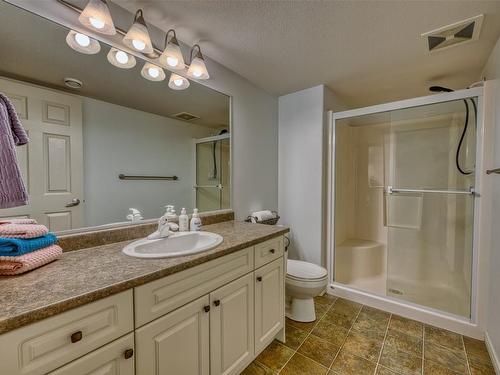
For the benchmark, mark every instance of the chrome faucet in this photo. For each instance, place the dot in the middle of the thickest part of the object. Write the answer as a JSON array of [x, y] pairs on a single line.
[[166, 225]]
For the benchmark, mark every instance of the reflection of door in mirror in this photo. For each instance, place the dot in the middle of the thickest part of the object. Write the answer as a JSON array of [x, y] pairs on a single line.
[[51, 163], [212, 173]]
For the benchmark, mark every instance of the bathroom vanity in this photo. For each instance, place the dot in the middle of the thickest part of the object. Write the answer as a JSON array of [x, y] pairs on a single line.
[[98, 310]]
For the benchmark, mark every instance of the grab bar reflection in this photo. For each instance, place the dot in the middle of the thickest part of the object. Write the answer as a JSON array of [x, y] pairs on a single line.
[[391, 190], [122, 176], [490, 171]]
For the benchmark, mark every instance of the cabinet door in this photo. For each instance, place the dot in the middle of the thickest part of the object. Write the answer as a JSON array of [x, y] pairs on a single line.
[[232, 326], [177, 343], [116, 358], [269, 303]]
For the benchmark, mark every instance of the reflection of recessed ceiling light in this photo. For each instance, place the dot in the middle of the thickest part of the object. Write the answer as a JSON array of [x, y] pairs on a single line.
[[177, 82], [121, 59], [153, 72], [82, 43], [73, 83]]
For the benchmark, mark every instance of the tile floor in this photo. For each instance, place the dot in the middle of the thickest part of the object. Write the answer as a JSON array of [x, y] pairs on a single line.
[[351, 339]]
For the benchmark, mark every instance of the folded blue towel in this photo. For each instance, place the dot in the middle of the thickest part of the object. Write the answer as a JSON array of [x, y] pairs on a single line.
[[19, 246]]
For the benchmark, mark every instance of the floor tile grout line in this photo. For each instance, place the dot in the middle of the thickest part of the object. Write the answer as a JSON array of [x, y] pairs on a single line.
[[466, 355], [296, 351], [383, 343], [348, 332]]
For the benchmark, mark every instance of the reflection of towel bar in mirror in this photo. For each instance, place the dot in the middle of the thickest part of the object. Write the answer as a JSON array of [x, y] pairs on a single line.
[[122, 176], [490, 171], [208, 187], [391, 190]]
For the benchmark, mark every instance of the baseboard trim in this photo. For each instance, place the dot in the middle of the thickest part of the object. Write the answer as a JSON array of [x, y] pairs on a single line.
[[493, 354]]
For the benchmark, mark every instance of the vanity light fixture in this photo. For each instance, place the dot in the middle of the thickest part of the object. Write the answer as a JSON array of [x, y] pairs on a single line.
[[177, 82], [121, 59], [172, 55], [137, 36], [153, 72], [197, 68], [96, 16], [82, 43]]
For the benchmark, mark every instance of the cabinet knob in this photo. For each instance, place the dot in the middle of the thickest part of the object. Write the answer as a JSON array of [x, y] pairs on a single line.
[[272, 251], [77, 336], [217, 302], [128, 353], [259, 278], [206, 308]]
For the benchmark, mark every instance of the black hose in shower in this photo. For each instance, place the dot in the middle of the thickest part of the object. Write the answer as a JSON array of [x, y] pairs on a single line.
[[466, 125], [214, 158]]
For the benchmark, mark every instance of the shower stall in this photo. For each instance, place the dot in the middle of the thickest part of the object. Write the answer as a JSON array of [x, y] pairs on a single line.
[[212, 179], [403, 203]]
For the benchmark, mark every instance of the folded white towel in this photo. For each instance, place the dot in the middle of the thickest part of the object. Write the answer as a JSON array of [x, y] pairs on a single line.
[[263, 215]]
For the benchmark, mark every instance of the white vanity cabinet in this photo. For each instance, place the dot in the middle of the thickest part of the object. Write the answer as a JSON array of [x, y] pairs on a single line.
[[210, 319]]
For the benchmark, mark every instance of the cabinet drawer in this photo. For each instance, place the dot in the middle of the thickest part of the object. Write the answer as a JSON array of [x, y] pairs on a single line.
[[116, 358], [159, 297], [55, 341], [268, 251]]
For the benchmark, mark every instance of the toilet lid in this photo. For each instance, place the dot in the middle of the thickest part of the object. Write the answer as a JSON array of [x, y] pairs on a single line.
[[305, 270]]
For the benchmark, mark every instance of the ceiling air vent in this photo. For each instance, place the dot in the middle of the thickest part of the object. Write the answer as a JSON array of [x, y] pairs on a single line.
[[186, 116], [455, 34]]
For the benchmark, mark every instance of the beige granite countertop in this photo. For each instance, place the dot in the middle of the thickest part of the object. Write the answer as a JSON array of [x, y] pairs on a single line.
[[83, 276]]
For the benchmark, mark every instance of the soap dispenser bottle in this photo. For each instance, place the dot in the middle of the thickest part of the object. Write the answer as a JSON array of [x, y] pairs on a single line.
[[195, 224], [183, 221]]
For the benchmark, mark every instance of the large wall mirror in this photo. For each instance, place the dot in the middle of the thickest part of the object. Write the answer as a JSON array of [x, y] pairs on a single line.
[[119, 141]]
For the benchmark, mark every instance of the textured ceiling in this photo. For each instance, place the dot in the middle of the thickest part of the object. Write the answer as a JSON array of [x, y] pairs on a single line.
[[365, 51], [34, 49]]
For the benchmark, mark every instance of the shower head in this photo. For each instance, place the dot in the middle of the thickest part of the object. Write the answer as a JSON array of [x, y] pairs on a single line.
[[439, 89]]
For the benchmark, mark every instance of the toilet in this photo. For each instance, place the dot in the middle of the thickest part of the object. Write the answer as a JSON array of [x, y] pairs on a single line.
[[303, 282]]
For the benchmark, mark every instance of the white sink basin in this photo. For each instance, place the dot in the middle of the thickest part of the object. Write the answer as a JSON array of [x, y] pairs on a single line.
[[175, 245]]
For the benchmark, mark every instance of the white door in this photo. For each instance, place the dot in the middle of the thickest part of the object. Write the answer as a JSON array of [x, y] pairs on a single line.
[[232, 327], [269, 303], [177, 343], [52, 162]]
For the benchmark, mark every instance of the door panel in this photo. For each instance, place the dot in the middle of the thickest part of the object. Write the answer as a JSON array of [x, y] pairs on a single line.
[[177, 343], [52, 162], [232, 326], [269, 303]]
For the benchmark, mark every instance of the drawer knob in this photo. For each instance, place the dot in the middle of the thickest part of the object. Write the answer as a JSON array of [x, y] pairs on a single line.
[[259, 278], [77, 336], [128, 353], [217, 302], [206, 308], [272, 251]]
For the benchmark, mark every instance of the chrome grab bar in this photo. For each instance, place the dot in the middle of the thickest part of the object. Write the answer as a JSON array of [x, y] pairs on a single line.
[[391, 190], [490, 171], [219, 186]]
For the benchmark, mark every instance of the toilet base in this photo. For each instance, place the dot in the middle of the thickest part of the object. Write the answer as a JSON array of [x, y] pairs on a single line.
[[301, 310]]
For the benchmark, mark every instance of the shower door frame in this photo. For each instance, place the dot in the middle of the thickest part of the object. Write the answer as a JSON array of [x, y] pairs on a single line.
[[468, 326]]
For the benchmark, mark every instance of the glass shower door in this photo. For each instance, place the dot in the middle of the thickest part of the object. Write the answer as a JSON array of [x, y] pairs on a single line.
[[430, 205]]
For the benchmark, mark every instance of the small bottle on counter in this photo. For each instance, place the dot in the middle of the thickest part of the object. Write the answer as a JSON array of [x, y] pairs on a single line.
[[195, 221], [183, 221]]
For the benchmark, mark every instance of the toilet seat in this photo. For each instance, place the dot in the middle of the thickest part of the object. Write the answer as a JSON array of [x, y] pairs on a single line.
[[304, 271]]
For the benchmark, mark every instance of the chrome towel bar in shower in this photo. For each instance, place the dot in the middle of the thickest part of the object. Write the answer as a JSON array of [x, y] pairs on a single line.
[[391, 189], [122, 176]]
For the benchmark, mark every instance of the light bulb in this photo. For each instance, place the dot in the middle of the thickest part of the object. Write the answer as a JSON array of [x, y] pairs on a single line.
[[172, 61], [82, 39], [178, 82], [197, 73], [97, 23], [121, 57], [138, 44], [154, 72]]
